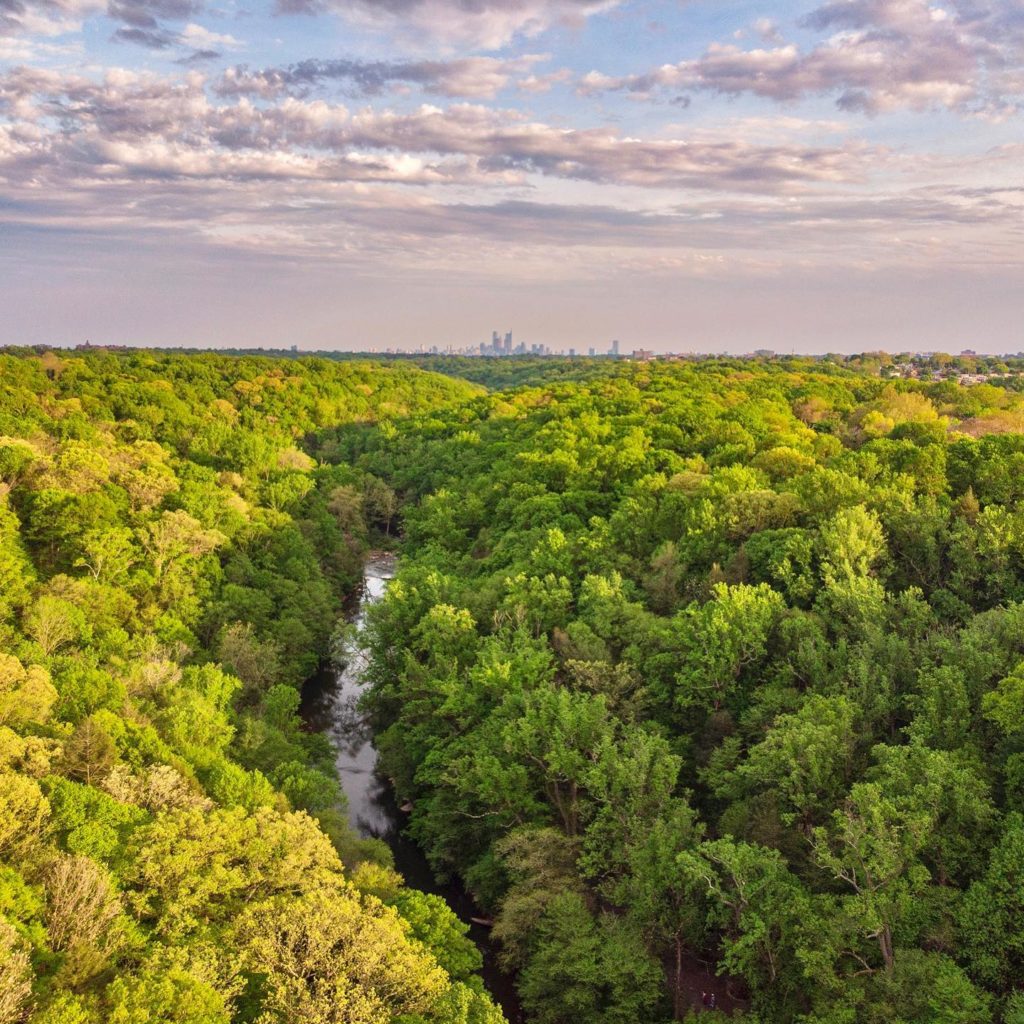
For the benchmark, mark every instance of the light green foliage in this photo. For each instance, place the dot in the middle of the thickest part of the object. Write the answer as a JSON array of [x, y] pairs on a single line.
[[330, 958], [722, 638], [170, 571], [852, 542], [26, 695], [165, 997], [1005, 704], [433, 923], [24, 815], [684, 663]]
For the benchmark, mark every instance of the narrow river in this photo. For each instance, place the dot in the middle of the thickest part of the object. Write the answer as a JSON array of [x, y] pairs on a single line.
[[330, 704]]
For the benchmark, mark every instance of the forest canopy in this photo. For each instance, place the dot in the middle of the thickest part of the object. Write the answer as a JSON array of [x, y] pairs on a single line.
[[709, 663], [173, 846], [721, 661]]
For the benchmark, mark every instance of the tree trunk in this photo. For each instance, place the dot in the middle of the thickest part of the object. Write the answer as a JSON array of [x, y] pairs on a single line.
[[885, 944]]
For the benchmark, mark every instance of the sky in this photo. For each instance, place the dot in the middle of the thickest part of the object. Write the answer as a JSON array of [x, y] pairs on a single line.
[[683, 175]]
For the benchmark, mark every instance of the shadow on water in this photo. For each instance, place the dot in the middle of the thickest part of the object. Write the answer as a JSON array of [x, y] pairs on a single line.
[[330, 704]]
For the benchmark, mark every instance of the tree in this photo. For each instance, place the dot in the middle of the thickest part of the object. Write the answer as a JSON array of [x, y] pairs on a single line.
[[24, 814], [851, 543], [81, 905], [433, 923], [89, 752], [54, 624], [15, 975], [172, 996], [108, 554], [762, 910], [808, 757], [542, 864], [722, 638], [587, 970], [1005, 704], [872, 846], [659, 894], [256, 662], [556, 737], [26, 695], [175, 536], [991, 918], [380, 503], [329, 958]]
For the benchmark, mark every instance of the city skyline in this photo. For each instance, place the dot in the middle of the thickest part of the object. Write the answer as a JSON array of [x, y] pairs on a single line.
[[828, 175], [527, 350]]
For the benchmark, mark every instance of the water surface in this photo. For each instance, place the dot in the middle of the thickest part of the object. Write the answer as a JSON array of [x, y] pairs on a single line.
[[330, 704]]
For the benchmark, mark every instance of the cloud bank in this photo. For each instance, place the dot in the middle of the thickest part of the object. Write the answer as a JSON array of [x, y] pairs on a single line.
[[881, 55]]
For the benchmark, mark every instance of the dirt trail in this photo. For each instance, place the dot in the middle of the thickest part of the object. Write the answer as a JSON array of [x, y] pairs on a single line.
[[698, 978]]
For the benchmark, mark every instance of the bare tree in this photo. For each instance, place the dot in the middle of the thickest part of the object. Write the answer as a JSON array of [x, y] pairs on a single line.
[[15, 976]]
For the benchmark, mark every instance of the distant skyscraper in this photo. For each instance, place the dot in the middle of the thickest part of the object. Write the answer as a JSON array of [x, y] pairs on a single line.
[[495, 341], [572, 353], [591, 351], [508, 343], [615, 348]]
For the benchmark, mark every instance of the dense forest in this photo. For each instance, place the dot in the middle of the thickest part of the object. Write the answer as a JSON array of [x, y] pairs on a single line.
[[726, 662], [173, 847], [704, 665]]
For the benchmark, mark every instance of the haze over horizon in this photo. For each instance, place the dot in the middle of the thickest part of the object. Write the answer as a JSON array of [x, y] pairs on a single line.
[[829, 175]]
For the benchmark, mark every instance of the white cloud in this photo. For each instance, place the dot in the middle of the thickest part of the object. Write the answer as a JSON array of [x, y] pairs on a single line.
[[464, 78], [486, 24], [137, 124], [203, 39], [45, 17], [882, 55]]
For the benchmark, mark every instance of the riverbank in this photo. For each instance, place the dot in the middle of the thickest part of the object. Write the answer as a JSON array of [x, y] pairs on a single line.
[[330, 704]]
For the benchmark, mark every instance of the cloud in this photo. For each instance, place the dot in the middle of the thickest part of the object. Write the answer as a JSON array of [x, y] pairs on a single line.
[[200, 37], [487, 24], [139, 125], [151, 38], [147, 14], [882, 55], [44, 17], [143, 27], [504, 142], [468, 78]]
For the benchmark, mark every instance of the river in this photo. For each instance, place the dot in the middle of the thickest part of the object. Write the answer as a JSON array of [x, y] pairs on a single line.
[[330, 704]]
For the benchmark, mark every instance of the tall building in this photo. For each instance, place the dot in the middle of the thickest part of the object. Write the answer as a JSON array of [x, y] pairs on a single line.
[[591, 351], [508, 343], [615, 348]]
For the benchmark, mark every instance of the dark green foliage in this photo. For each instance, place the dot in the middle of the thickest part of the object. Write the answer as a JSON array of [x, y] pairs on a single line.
[[710, 663], [716, 661]]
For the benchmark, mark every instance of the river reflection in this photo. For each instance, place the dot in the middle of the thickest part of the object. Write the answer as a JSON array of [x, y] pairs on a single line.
[[330, 704]]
